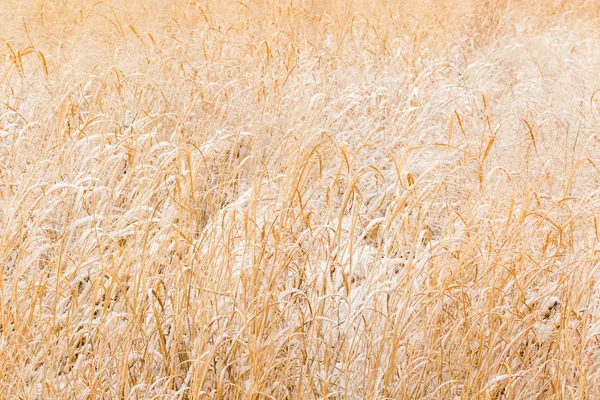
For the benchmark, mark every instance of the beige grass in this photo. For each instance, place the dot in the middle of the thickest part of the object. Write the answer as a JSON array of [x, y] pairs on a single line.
[[324, 199]]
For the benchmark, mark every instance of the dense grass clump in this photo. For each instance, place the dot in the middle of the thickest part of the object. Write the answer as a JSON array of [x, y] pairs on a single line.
[[299, 199]]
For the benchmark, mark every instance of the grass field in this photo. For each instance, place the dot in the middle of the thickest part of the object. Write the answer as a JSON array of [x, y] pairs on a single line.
[[260, 199]]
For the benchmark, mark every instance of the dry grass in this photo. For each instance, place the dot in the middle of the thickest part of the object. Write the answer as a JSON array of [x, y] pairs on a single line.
[[324, 199]]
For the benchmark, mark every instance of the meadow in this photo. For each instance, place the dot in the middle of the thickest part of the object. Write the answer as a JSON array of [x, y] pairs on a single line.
[[276, 199]]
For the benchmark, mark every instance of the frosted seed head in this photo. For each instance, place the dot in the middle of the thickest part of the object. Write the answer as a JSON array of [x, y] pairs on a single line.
[[552, 305], [128, 119]]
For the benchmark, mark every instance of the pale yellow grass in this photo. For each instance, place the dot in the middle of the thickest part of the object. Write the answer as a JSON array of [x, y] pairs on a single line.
[[317, 199]]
